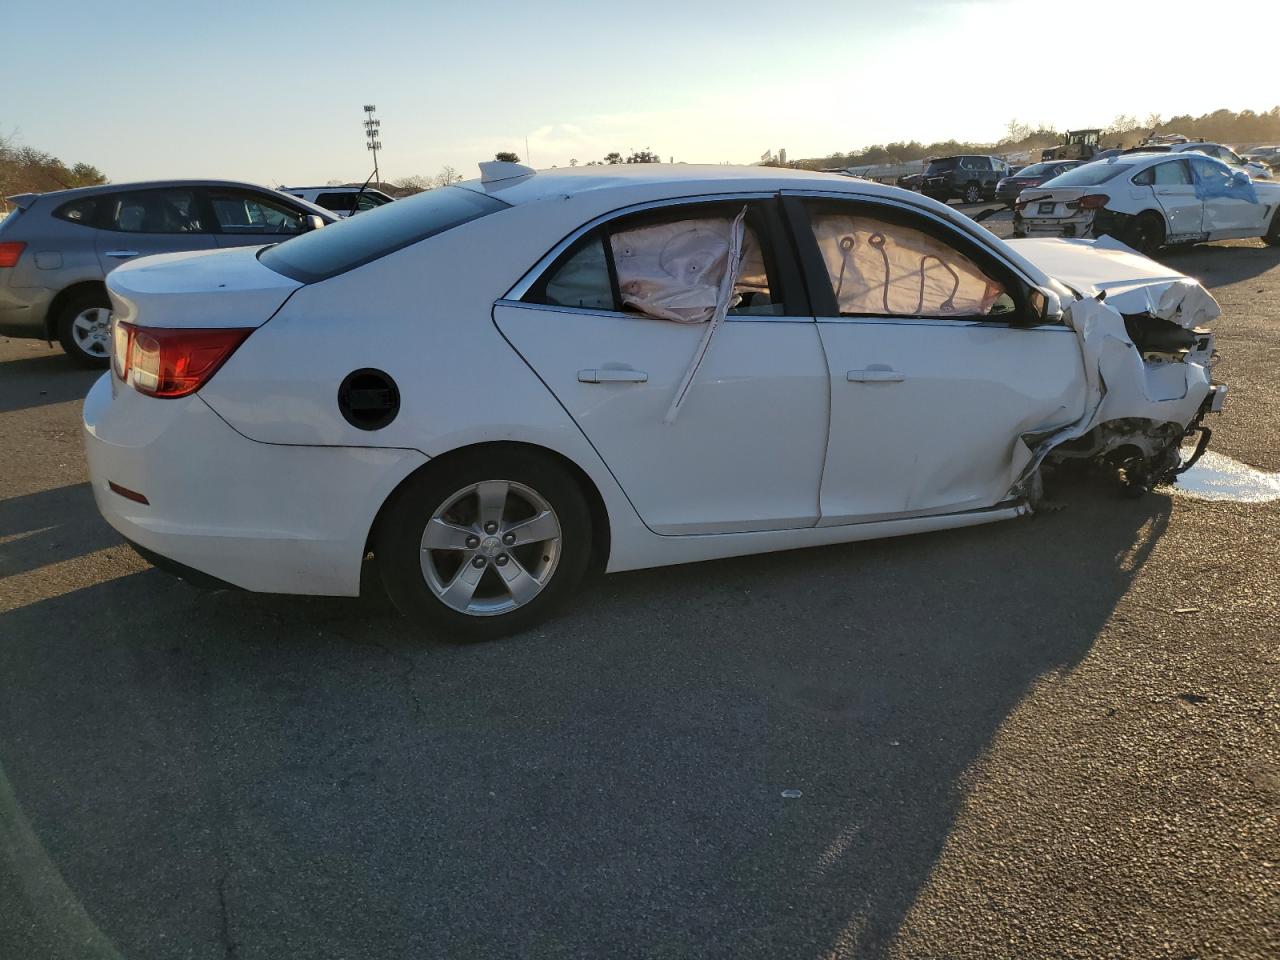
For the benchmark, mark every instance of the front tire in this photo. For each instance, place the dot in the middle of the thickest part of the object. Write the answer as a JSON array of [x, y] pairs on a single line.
[[973, 193], [1272, 237], [83, 325], [485, 544]]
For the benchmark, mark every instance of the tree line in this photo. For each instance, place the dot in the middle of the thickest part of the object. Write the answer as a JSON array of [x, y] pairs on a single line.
[[1220, 126], [25, 169]]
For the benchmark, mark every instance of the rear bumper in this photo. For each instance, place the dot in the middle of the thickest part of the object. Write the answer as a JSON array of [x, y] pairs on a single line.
[[1081, 226], [265, 517], [23, 311]]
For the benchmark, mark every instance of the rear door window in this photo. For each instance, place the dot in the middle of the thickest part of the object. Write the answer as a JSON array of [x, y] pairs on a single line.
[[172, 210], [353, 242], [668, 265], [337, 202], [1173, 173]]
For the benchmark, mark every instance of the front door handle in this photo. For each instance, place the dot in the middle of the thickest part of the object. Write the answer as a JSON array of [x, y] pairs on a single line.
[[875, 375], [121, 254], [606, 375]]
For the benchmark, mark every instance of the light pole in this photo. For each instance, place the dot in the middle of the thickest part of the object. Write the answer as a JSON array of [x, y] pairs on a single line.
[[372, 134]]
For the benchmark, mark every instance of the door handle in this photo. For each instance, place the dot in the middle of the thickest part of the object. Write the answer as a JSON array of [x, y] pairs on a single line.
[[606, 375], [121, 254], [875, 375]]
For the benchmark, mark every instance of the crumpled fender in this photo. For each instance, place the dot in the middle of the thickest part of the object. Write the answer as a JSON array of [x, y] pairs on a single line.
[[1120, 384]]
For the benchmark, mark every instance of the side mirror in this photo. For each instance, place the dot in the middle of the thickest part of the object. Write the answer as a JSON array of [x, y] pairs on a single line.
[[1240, 178], [311, 221], [1043, 306]]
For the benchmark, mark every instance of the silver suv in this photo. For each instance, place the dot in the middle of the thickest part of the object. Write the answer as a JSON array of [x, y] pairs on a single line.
[[56, 248]]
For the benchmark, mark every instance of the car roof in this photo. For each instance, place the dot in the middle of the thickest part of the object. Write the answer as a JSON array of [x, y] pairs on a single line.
[[150, 185], [672, 180], [339, 188]]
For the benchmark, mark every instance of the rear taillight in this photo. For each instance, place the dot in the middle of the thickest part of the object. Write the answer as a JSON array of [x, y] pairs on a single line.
[[169, 362], [10, 252], [1094, 201]]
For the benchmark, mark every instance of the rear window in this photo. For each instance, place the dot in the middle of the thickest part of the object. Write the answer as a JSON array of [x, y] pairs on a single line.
[[1089, 175], [1035, 170], [351, 243], [941, 166]]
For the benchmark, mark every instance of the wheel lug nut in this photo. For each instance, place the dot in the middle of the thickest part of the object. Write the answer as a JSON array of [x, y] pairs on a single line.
[[478, 562], [490, 527], [509, 538], [472, 542], [502, 560]]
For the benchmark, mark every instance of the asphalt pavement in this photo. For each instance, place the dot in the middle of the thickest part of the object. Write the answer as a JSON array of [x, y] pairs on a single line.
[[1052, 737]]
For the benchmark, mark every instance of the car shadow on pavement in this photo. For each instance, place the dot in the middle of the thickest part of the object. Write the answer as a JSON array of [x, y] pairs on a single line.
[[52, 526], [1217, 265], [266, 776], [41, 379]]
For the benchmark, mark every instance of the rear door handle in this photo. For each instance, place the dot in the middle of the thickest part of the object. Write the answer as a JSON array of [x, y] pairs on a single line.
[[875, 375], [121, 254], [606, 375]]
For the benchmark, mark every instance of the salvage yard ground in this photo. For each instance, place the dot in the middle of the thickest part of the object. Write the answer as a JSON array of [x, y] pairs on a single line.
[[1055, 737]]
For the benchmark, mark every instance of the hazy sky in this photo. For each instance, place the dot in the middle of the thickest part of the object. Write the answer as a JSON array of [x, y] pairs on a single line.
[[272, 91]]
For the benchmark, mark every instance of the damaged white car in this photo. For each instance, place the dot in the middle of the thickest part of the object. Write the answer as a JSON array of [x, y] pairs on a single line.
[[490, 387], [1148, 200]]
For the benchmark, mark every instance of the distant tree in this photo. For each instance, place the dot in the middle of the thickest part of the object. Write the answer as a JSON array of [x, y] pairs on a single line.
[[573, 162], [613, 157], [446, 176], [506, 156], [411, 185], [644, 156], [27, 170]]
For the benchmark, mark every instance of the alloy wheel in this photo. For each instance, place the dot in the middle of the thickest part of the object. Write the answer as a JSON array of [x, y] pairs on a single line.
[[490, 548], [91, 330]]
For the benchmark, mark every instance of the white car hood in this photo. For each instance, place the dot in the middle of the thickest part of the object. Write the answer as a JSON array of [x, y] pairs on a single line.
[[200, 288], [1132, 283]]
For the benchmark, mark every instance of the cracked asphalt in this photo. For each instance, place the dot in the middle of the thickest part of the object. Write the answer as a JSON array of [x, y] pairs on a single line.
[[1054, 737]]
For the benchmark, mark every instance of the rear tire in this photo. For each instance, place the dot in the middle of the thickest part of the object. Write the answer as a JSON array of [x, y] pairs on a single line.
[[1145, 234], [458, 552], [83, 328], [972, 193]]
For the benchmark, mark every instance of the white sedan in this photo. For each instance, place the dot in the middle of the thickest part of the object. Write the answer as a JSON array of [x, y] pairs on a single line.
[[493, 386], [1148, 200]]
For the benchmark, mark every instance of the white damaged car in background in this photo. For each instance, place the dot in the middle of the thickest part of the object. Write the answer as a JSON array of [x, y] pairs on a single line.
[[493, 386], [1148, 200]]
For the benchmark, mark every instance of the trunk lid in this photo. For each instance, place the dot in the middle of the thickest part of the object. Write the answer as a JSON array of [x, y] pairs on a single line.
[[198, 289], [1052, 202]]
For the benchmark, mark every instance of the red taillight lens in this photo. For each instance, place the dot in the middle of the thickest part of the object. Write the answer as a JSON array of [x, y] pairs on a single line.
[[169, 362], [10, 252], [1094, 201]]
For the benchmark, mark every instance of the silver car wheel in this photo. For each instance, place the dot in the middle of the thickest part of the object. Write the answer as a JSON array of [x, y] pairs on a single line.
[[92, 331], [490, 548]]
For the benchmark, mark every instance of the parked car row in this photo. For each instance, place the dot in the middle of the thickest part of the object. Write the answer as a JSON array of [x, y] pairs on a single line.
[[1152, 198], [57, 248]]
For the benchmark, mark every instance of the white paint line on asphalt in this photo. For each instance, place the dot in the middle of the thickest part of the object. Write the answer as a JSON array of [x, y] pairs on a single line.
[[64, 924], [1218, 477]]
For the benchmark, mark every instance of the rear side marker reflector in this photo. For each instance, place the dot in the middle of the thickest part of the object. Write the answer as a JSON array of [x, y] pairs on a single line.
[[171, 361], [128, 494]]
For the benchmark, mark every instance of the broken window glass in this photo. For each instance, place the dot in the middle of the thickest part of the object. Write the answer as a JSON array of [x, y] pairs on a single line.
[[673, 270]]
